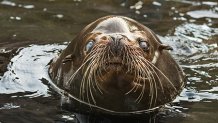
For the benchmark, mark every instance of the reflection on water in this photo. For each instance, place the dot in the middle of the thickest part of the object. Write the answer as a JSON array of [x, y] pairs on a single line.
[[190, 27], [202, 14], [27, 68], [188, 39]]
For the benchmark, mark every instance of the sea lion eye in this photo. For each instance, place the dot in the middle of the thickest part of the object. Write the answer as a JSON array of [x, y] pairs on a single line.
[[89, 45], [144, 45]]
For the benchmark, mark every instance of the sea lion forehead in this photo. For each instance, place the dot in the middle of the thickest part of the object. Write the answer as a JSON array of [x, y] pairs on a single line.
[[115, 25]]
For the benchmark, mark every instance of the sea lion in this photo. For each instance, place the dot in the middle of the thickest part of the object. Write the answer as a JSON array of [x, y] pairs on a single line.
[[117, 65]]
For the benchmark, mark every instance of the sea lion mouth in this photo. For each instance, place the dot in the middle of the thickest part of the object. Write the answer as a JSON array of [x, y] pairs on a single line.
[[114, 62]]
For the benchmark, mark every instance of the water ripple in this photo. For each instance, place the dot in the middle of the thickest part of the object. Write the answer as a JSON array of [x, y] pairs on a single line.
[[26, 70], [202, 14], [189, 38]]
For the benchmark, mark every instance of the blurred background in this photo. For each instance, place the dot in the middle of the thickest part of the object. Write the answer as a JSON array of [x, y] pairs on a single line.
[[37, 29]]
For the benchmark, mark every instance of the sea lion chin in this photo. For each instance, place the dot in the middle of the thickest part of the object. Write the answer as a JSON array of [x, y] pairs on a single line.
[[117, 64]]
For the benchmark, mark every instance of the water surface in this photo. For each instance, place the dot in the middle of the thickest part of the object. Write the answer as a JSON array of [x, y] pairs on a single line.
[[33, 32]]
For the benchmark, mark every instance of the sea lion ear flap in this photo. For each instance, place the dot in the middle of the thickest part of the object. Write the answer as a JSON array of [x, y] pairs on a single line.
[[68, 58], [160, 48], [165, 47]]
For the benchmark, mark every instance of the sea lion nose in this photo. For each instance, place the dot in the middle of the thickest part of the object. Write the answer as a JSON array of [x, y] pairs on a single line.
[[116, 44]]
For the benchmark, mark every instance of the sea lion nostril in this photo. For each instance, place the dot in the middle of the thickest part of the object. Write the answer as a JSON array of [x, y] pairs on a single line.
[[113, 38], [116, 45]]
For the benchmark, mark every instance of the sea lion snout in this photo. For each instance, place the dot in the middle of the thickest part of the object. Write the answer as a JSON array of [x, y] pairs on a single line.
[[116, 44]]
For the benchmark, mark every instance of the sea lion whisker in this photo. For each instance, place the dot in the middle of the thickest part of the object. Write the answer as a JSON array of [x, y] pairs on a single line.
[[138, 99], [99, 74], [103, 58], [93, 52], [136, 78], [167, 79], [142, 93], [74, 74], [110, 51], [97, 84], [82, 89], [155, 73], [85, 78], [130, 67], [147, 73], [87, 94], [124, 56], [137, 73], [149, 64], [153, 81], [91, 68], [93, 75], [99, 71], [149, 81], [128, 92], [154, 86], [164, 76], [129, 60], [90, 90], [82, 86], [89, 78]]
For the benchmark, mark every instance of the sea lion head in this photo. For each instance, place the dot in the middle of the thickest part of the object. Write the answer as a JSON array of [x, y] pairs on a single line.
[[119, 57]]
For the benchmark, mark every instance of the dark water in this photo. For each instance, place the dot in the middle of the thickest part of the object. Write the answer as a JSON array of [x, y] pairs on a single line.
[[33, 31]]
